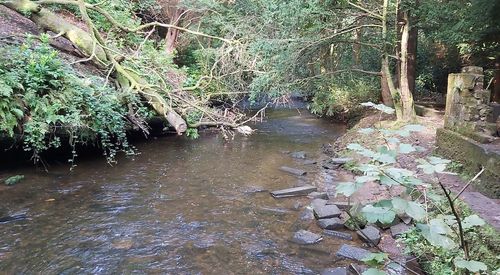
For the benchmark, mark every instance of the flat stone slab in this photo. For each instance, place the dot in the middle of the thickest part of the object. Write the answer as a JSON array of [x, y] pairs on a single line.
[[294, 192], [398, 229], [306, 237], [370, 234], [334, 271], [307, 215], [331, 223], [325, 211], [352, 252], [298, 155], [293, 171], [338, 234]]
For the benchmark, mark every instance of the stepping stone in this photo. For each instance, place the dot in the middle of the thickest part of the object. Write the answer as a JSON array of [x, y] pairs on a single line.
[[318, 195], [294, 192], [324, 211], [352, 252], [331, 223], [340, 161], [309, 162], [293, 171], [370, 232], [306, 237], [338, 234], [334, 271], [299, 155], [398, 229]]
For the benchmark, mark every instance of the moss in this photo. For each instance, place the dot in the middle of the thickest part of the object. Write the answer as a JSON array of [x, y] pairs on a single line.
[[474, 156]]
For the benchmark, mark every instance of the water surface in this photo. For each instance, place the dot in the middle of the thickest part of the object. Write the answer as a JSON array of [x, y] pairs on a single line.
[[180, 207]]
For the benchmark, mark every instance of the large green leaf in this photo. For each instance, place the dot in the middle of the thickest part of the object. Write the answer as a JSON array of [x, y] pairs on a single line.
[[471, 221], [346, 188], [473, 266], [405, 148], [375, 259], [434, 238], [373, 214], [374, 271]]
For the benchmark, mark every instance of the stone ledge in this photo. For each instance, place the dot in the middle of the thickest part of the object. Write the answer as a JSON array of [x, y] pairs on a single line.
[[473, 155]]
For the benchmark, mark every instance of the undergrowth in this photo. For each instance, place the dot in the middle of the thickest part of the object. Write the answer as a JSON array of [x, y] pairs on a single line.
[[43, 102]]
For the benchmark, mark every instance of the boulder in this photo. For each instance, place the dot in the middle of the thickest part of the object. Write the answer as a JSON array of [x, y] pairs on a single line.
[[306, 237]]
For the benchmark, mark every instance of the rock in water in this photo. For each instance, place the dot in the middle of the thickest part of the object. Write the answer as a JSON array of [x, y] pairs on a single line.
[[318, 195], [331, 223], [338, 234], [306, 237], [293, 192], [334, 271], [352, 252], [370, 234], [13, 218], [245, 130], [299, 155], [293, 171], [324, 211]]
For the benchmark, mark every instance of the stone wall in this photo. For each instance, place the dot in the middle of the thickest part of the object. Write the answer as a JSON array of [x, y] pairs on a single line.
[[468, 107], [470, 132]]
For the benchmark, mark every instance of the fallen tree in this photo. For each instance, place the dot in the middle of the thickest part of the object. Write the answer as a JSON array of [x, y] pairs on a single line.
[[172, 104]]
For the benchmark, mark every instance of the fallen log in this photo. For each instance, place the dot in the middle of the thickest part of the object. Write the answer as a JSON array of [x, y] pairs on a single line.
[[91, 45]]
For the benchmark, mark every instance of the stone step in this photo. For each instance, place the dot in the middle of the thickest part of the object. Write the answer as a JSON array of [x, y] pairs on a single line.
[[294, 192]]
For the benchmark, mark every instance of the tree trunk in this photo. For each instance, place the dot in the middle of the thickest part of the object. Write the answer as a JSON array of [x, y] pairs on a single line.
[[84, 40], [407, 105], [412, 52], [496, 82], [385, 93]]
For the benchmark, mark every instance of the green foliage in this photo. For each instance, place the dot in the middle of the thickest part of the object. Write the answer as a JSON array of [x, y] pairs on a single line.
[[438, 231], [14, 179], [375, 259], [50, 101]]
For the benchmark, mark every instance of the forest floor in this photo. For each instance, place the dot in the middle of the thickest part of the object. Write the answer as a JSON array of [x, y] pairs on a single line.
[[487, 208]]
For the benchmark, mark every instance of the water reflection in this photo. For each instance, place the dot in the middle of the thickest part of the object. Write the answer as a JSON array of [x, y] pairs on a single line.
[[181, 207]]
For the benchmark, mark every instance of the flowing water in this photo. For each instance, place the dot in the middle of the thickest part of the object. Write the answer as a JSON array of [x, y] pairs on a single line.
[[180, 207]]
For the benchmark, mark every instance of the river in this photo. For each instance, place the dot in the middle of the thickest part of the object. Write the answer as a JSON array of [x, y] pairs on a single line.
[[180, 207]]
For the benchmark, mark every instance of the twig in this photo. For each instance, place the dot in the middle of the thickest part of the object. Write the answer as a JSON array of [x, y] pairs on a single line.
[[469, 183]]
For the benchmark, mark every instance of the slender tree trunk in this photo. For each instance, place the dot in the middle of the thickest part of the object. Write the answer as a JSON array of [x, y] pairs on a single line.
[[385, 77], [408, 108], [172, 34], [412, 53], [496, 82]]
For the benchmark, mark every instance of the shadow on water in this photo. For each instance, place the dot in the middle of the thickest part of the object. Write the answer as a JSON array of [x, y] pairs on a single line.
[[181, 206]]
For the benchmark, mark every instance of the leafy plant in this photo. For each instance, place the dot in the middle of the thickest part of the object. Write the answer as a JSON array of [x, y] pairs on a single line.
[[14, 179], [382, 167]]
